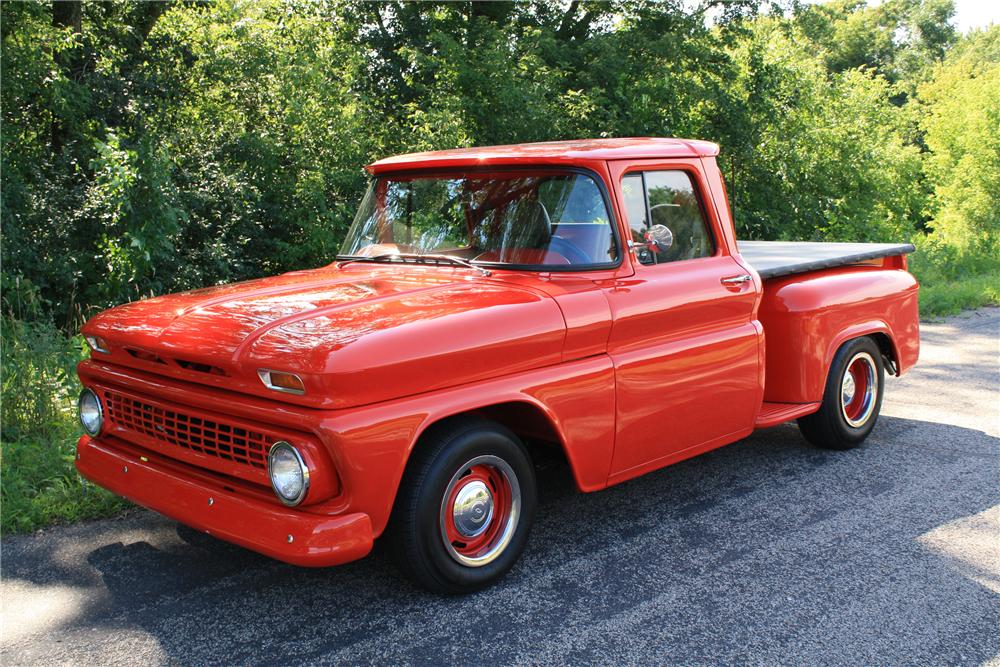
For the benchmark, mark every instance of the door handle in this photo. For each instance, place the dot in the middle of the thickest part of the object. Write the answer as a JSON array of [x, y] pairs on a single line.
[[736, 280]]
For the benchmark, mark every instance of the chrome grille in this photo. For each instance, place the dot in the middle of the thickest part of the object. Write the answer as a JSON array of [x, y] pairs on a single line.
[[231, 442]]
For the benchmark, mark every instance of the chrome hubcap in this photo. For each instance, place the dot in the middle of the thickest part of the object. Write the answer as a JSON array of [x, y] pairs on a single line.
[[847, 389], [473, 509], [480, 511]]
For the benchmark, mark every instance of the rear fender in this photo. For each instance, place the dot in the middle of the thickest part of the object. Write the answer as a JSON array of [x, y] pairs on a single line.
[[859, 330], [808, 317]]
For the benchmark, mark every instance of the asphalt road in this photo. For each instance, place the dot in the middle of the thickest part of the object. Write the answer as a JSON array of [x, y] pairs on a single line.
[[767, 551]]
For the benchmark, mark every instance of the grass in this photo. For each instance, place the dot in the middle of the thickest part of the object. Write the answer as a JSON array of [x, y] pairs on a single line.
[[951, 297], [954, 279], [39, 485]]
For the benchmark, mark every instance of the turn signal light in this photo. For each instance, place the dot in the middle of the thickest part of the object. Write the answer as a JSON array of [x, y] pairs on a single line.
[[98, 344], [280, 381]]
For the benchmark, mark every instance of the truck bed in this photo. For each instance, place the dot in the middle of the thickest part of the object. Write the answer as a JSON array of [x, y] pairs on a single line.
[[783, 258]]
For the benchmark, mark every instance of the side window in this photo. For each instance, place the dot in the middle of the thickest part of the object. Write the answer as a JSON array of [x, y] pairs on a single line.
[[666, 198]]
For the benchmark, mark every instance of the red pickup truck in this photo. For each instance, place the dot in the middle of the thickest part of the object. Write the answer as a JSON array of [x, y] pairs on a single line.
[[587, 297]]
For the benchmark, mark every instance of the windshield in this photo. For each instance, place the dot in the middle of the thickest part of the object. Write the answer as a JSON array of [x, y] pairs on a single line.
[[553, 219]]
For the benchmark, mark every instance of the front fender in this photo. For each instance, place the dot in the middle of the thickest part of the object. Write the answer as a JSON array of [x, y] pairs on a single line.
[[374, 443]]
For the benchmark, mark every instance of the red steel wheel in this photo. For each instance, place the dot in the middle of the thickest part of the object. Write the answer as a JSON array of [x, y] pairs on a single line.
[[859, 389], [480, 510], [852, 397], [465, 506]]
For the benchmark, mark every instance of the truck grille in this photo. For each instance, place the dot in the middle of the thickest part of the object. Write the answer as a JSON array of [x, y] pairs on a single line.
[[180, 434]]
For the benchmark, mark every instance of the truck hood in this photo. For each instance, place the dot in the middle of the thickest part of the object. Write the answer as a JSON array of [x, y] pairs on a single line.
[[355, 335]]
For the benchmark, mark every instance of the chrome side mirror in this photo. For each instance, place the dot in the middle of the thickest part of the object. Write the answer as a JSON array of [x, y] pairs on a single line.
[[656, 239], [659, 238]]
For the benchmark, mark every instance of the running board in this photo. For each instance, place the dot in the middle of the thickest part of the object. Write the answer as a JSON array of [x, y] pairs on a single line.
[[772, 414]]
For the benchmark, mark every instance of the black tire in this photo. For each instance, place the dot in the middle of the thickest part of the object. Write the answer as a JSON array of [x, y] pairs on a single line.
[[440, 466], [832, 427]]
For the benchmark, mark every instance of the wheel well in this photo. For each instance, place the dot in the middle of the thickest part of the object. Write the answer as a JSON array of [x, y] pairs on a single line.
[[888, 350], [527, 421]]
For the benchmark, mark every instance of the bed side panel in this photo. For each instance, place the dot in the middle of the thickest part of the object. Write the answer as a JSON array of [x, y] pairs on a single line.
[[807, 317]]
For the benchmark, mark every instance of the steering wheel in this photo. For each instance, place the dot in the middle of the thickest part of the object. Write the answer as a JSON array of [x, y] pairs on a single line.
[[545, 212], [569, 250], [558, 244]]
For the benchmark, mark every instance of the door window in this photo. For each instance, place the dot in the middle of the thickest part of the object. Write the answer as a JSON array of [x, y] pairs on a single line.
[[666, 198]]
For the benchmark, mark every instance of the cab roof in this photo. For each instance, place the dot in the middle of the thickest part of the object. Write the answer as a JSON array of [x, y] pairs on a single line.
[[550, 152]]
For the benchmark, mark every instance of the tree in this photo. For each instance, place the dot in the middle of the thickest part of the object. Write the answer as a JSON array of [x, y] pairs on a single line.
[[898, 39], [150, 147], [961, 121]]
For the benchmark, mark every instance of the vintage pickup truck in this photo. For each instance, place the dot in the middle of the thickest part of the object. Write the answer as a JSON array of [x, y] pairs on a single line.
[[583, 297]]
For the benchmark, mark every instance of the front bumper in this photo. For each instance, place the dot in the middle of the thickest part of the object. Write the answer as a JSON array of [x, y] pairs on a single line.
[[290, 535]]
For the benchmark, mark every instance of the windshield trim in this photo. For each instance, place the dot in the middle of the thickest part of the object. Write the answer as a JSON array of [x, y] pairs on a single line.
[[540, 268]]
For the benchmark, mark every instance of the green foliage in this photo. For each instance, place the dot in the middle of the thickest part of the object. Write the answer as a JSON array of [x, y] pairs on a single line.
[[952, 297], [830, 158], [39, 379], [958, 263], [133, 202], [41, 486], [38, 430], [961, 122], [897, 39], [157, 146]]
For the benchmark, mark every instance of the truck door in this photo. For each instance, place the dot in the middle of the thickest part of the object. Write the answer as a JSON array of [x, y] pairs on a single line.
[[684, 342]]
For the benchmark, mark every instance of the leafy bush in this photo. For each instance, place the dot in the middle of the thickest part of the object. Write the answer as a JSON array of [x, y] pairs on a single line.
[[41, 486], [161, 146], [958, 262], [39, 429], [831, 160], [960, 118], [39, 379]]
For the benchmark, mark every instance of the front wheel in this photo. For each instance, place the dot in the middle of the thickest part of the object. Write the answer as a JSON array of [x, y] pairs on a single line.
[[852, 398], [465, 506]]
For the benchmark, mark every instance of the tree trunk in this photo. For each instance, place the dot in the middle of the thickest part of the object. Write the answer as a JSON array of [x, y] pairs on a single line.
[[66, 14]]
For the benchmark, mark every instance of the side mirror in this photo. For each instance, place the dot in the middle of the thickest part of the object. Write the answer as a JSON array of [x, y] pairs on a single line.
[[659, 238]]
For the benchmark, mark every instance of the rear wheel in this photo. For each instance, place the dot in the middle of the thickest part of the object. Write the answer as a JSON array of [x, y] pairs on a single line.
[[465, 506], [852, 397]]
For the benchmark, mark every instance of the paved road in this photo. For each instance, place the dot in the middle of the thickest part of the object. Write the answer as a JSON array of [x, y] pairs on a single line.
[[766, 551]]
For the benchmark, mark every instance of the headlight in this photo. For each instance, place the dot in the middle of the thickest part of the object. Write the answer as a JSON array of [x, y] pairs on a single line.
[[289, 474], [91, 412]]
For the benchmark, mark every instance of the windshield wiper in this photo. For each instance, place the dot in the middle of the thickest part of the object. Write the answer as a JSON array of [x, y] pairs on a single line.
[[417, 258]]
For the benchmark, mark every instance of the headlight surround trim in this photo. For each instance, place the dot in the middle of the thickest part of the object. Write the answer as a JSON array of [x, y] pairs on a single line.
[[276, 449], [87, 393]]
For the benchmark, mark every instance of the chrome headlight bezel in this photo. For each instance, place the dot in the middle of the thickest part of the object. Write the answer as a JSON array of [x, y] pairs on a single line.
[[276, 449], [85, 394]]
